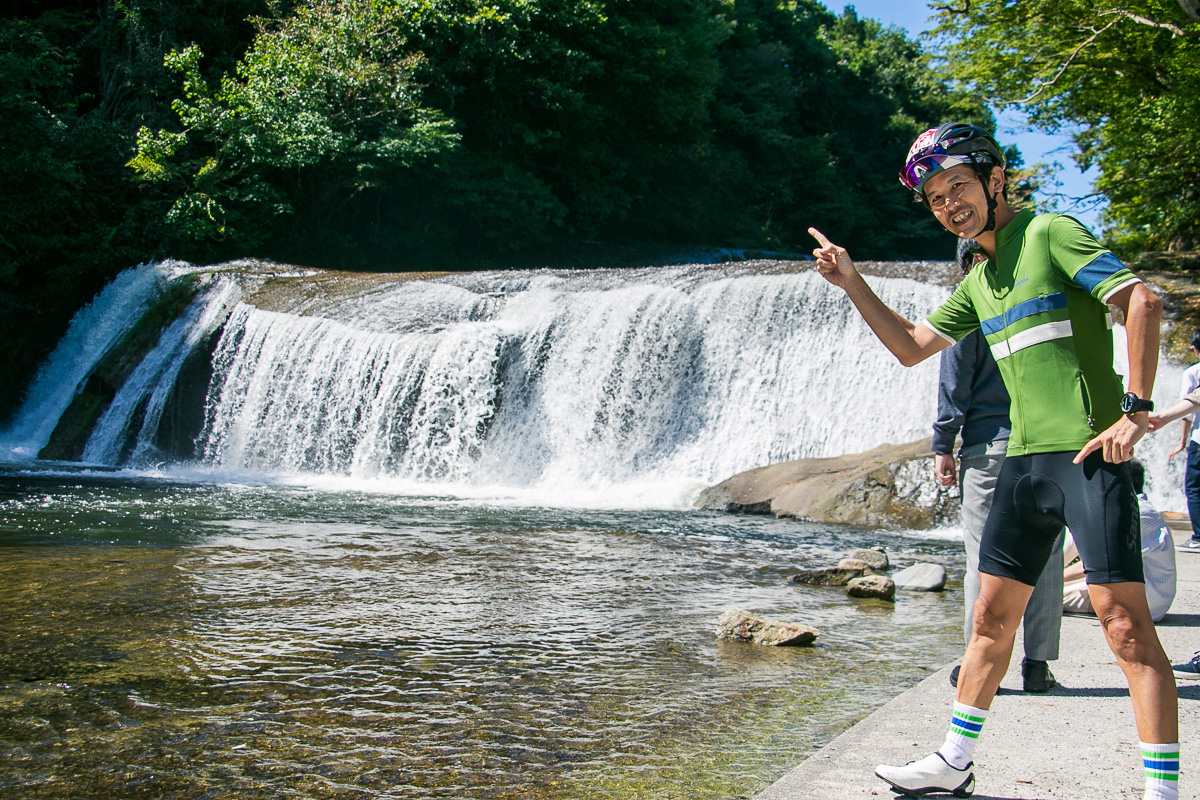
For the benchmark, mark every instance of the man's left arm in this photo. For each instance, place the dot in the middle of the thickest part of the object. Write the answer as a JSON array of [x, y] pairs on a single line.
[[1143, 313]]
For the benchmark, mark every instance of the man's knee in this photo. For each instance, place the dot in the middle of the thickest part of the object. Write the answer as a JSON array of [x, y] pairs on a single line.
[[996, 621], [1127, 625]]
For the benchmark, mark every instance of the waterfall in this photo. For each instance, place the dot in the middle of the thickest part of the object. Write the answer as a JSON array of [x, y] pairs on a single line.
[[609, 387], [626, 382], [94, 330]]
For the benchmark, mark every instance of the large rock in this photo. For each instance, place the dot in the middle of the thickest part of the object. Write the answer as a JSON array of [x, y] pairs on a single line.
[[878, 586], [891, 486], [922, 577], [745, 626]]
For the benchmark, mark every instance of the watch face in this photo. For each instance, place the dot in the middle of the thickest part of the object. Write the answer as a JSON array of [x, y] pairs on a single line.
[[1127, 403]]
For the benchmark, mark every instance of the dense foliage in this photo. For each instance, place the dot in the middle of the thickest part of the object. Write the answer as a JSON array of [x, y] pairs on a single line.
[[1126, 74], [392, 134]]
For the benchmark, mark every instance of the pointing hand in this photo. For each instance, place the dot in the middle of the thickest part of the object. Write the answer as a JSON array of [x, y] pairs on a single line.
[[833, 262]]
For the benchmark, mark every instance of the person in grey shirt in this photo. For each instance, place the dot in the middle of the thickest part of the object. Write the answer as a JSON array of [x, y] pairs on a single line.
[[973, 402]]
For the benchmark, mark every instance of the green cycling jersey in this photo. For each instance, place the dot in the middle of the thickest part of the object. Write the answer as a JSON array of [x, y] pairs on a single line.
[[1041, 305]]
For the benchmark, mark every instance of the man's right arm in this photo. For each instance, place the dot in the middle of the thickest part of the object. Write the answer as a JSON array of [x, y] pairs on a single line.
[[910, 343]]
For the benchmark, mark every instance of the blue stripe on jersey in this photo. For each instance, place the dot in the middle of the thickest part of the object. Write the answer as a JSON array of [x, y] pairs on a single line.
[[1036, 305], [1103, 266]]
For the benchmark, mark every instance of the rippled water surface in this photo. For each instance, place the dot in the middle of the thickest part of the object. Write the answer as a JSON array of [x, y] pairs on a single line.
[[184, 640]]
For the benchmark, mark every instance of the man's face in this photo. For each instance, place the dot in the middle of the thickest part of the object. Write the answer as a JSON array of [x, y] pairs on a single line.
[[957, 199]]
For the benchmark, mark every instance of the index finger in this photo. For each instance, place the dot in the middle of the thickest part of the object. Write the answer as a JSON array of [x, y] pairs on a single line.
[[820, 237], [1088, 449]]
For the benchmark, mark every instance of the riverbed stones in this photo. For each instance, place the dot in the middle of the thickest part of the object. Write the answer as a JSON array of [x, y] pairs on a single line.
[[874, 557], [745, 626], [827, 576], [922, 577], [880, 587]]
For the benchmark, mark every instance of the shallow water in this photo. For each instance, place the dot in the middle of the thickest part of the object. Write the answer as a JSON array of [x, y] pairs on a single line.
[[202, 640]]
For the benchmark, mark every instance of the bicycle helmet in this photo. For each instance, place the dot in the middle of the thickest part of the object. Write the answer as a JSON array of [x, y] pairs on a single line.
[[951, 145]]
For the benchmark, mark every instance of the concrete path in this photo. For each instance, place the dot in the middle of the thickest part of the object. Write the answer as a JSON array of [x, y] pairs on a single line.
[[1076, 742]]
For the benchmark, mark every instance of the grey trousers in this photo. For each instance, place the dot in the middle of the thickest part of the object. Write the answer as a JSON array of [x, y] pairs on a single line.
[[979, 466]]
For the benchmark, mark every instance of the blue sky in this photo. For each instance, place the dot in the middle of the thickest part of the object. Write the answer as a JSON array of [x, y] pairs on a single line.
[[913, 16]]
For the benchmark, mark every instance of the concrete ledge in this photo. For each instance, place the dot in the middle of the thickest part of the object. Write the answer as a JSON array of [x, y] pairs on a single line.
[[1077, 742]]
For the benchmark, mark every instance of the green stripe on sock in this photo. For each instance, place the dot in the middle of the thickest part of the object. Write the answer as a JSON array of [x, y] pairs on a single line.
[[1163, 776]]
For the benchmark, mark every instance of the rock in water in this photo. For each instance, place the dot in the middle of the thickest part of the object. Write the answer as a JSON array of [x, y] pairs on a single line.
[[744, 626], [828, 576], [878, 586], [921, 578], [874, 557]]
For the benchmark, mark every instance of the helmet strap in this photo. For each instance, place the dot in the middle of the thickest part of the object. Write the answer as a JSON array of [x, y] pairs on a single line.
[[984, 175]]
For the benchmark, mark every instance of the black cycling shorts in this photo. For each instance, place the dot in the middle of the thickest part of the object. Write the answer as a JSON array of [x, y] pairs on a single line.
[[1037, 495]]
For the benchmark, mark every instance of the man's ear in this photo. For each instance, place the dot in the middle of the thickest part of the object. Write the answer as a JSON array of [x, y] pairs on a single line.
[[996, 181]]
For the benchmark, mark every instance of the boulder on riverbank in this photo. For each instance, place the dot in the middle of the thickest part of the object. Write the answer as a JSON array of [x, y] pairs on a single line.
[[891, 486], [745, 626]]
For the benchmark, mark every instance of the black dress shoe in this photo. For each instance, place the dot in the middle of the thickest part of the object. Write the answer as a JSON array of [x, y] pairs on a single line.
[[1037, 675]]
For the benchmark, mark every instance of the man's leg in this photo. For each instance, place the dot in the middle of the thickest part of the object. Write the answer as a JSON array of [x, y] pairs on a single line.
[[1125, 617], [1043, 615], [1043, 624], [1191, 487], [979, 466], [950, 768], [998, 612]]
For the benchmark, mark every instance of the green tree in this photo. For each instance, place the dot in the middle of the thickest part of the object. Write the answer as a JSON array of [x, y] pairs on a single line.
[[76, 81], [322, 108], [1124, 74]]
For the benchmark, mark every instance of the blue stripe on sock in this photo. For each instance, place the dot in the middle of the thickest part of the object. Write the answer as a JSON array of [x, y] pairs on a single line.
[[959, 722]]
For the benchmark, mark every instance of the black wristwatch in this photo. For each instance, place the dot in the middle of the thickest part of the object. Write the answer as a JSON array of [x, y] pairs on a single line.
[[1131, 404]]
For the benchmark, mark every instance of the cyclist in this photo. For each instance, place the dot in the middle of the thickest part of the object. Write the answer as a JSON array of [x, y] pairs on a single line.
[[1040, 301]]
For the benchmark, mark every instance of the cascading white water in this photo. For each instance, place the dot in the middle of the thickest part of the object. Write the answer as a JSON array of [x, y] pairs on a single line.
[[609, 383], [607, 387], [94, 330], [142, 397]]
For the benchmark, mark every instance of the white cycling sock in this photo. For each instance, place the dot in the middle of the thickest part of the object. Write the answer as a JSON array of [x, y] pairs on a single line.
[[959, 747], [1162, 770]]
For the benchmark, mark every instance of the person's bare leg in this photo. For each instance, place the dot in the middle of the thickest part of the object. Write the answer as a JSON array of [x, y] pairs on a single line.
[[998, 613], [1125, 616]]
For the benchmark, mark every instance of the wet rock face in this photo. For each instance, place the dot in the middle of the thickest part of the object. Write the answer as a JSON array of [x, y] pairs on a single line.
[[744, 626], [891, 486]]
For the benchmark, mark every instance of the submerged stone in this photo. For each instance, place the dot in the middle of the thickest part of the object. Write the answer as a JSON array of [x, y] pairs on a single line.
[[745, 626], [828, 576]]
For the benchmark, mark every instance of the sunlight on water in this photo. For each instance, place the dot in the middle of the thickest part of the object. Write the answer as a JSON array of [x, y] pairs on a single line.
[[189, 640]]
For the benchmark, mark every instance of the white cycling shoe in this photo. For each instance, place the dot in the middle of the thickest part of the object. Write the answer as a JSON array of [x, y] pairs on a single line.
[[929, 775]]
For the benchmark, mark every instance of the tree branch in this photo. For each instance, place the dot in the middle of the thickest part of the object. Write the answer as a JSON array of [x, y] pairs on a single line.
[[1061, 70], [1174, 29], [1191, 8], [966, 7]]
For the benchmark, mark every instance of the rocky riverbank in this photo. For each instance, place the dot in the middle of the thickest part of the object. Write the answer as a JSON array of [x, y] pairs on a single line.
[[890, 486]]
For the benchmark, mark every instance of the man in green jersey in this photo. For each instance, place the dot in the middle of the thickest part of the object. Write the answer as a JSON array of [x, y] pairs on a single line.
[[1041, 302]]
